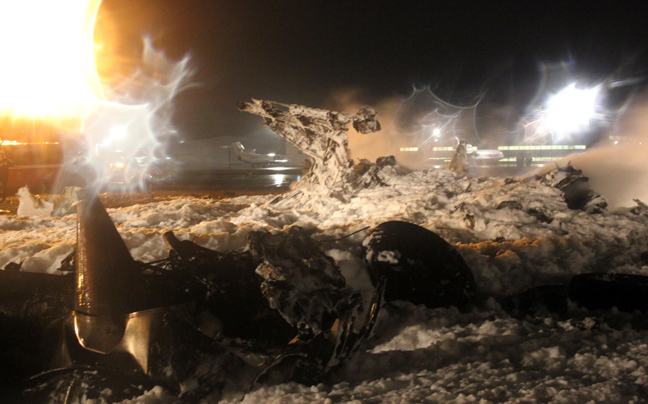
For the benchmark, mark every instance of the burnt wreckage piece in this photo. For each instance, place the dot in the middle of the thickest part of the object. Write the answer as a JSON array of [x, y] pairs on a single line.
[[594, 291], [575, 188], [321, 135], [300, 281], [420, 267], [124, 323], [617, 299], [281, 311]]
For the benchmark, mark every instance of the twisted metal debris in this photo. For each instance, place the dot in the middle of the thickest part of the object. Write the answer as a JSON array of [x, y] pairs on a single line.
[[322, 136]]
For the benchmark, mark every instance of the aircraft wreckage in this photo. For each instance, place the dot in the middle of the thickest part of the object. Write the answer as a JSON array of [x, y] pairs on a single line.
[[110, 327]]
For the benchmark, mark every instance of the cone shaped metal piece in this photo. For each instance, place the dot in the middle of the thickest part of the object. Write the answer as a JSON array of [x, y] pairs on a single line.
[[108, 279]]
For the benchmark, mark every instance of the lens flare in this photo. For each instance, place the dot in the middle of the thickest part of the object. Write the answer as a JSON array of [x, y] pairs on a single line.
[[573, 109], [48, 70]]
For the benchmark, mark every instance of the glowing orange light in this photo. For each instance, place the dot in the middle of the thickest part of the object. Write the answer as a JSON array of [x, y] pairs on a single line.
[[16, 143], [48, 70]]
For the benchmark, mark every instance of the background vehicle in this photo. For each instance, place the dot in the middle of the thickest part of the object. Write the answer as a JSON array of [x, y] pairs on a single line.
[[254, 158]]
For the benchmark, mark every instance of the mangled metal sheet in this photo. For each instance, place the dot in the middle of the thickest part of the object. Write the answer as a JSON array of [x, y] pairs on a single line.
[[321, 135], [171, 321], [575, 188]]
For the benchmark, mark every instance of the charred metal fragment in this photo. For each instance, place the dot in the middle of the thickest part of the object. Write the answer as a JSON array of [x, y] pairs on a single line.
[[231, 304], [108, 279], [539, 214], [281, 308], [419, 266], [32, 308], [301, 282], [640, 209], [513, 205], [595, 291], [459, 161], [13, 266], [321, 135], [575, 188], [308, 362], [551, 298], [644, 258], [365, 174], [386, 161], [132, 318]]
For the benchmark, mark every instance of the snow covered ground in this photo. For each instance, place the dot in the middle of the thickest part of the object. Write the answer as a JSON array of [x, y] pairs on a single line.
[[418, 354]]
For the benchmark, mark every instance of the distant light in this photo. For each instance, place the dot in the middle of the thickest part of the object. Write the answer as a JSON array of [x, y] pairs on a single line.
[[278, 179], [616, 142], [436, 132], [271, 154], [572, 110], [118, 132], [541, 130]]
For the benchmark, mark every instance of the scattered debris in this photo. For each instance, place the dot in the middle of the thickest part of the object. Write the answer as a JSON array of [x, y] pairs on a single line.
[[627, 292], [640, 209], [539, 214], [510, 205], [68, 204], [32, 205], [300, 281], [575, 188], [590, 291], [166, 322], [277, 309], [459, 161]]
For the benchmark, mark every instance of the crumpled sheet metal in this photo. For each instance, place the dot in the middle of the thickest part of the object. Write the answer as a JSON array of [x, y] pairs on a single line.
[[321, 135]]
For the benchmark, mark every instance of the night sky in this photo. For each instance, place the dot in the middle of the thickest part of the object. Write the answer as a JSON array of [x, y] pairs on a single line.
[[305, 51]]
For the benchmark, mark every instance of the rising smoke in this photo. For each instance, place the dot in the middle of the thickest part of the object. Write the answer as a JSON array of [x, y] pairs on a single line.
[[133, 125], [618, 171], [382, 143], [412, 122], [617, 167]]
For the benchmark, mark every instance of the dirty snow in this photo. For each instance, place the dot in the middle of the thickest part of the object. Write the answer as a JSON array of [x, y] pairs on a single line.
[[419, 354]]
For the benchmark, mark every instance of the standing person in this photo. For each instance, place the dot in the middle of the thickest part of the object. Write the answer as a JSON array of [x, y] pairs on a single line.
[[5, 163]]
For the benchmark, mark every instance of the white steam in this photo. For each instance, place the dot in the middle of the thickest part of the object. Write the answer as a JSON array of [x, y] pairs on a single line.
[[132, 125], [618, 167], [419, 122]]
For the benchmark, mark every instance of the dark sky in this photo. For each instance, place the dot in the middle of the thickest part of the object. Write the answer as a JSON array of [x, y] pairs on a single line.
[[302, 51]]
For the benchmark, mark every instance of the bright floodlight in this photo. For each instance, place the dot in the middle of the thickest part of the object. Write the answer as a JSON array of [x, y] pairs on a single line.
[[571, 110], [118, 132]]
